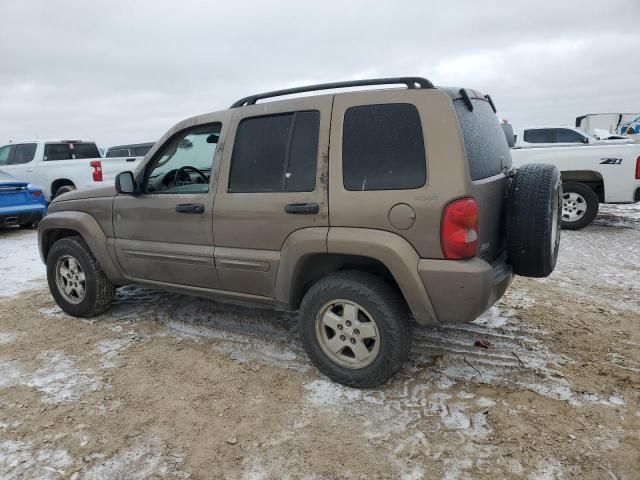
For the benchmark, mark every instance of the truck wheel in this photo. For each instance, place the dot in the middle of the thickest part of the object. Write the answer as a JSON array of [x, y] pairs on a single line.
[[77, 283], [579, 205], [64, 189], [355, 328], [533, 220]]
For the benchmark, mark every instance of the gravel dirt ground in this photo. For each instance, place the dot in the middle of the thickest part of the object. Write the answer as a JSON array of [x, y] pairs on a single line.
[[169, 386]]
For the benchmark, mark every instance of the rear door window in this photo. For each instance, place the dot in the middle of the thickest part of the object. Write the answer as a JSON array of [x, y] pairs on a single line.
[[565, 135], [539, 135], [484, 140], [276, 153], [23, 153], [119, 152], [383, 148]]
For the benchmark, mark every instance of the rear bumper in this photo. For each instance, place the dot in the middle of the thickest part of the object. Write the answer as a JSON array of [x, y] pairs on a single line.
[[461, 290], [23, 214]]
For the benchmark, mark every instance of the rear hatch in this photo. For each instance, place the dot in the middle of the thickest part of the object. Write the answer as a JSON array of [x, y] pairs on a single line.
[[488, 155]]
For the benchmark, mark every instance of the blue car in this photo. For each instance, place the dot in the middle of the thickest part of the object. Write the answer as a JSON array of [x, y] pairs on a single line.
[[20, 202]]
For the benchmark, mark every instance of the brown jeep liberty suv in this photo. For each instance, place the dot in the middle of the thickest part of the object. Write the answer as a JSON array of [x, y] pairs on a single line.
[[366, 211]]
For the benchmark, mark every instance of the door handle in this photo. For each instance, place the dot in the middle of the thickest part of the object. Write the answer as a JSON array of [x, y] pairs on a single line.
[[130, 160], [302, 208], [190, 208]]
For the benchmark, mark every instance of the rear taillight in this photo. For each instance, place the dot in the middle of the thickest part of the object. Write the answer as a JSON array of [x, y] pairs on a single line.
[[638, 168], [459, 229], [36, 193], [97, 170]]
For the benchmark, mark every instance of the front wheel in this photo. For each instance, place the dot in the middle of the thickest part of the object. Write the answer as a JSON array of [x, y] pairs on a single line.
[[76, 281], [579, 205], [355, 328]]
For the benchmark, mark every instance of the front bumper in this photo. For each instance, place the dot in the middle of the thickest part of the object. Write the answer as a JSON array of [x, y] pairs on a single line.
[[461, 290]]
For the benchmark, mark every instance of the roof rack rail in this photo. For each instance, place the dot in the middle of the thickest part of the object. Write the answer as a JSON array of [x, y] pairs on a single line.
[[410, 82]]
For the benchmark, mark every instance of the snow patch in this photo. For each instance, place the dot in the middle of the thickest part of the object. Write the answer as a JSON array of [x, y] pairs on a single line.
[[58, 380], [20, 460], [138, 463], [20, 265]]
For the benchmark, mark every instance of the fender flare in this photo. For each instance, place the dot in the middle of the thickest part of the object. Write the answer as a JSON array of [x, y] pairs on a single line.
[[393, 251], [89, 229]]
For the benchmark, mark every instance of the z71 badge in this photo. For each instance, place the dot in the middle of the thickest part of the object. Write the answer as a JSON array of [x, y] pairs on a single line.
[[611, 161]]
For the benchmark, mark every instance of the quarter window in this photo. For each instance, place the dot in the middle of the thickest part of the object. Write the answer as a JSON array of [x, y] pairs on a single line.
[[276, 153], [383, 148]]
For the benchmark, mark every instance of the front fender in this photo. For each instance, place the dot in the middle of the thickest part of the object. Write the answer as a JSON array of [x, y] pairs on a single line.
[[87, 227]]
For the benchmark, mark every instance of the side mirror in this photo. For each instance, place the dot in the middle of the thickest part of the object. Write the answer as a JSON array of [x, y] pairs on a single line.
[[125, 183], [585, 139]]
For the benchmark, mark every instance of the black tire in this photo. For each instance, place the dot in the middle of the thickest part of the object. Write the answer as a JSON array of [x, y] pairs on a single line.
[[32, 224], [99, 290], [533, 220], [64, 189], [589, 201], [387, 308]]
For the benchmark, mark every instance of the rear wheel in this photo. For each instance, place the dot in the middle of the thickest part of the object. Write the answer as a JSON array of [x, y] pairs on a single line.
[[76, 281], [579, 205], [64, 189], [355, 328]]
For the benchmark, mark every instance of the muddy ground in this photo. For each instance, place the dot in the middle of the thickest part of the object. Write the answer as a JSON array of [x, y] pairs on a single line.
[[169, 386]]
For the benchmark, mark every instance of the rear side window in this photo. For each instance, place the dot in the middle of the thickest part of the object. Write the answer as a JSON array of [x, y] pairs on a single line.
[[276, 153], [484, 140], [383, 148], [141, 151], [539, 135], [118, 152], [564, 135], [22, 153], [85, 150], [69, 151]]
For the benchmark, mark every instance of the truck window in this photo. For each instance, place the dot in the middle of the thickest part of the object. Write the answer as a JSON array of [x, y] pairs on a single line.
[[85, 150], [69, 151], [141, 151], [383, 148], [539, 135], [22, 153], [118, 152], [565, 135], [276, 153], [4, 154], [484, 140]]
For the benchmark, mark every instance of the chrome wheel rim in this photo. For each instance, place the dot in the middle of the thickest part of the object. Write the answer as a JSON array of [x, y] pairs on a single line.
[[347, 334], [70, 279], [574, 207]]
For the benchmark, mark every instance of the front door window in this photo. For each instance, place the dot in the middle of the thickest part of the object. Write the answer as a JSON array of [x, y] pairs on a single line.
[[185, 164]]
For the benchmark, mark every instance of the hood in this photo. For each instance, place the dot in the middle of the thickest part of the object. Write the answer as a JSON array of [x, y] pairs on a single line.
[[84, 193]]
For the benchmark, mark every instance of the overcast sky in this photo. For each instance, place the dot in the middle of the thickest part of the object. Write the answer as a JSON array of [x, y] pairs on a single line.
[[126, 71]]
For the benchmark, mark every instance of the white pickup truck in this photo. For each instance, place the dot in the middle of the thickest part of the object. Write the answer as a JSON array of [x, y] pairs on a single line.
[[59, 166], [592, 171]]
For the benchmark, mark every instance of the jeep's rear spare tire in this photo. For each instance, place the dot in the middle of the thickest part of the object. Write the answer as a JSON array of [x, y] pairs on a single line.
[[355, 328], [534, 219]]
